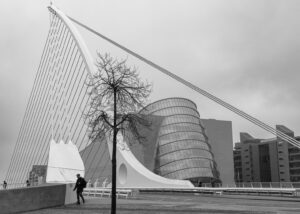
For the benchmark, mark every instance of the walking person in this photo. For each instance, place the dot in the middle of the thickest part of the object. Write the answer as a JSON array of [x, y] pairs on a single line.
[[80, 184], [4, 184]]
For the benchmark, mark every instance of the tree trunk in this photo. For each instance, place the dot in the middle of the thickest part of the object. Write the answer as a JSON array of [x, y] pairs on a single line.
[[114, 160]]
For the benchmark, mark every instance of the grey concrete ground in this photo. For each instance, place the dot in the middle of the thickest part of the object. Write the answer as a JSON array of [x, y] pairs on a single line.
[[184, 203]]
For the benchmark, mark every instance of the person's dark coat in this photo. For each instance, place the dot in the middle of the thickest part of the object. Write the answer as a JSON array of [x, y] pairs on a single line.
[[79, 184]]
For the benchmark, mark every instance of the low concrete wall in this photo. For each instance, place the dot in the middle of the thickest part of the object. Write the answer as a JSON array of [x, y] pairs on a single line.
[[71, 196], [32, 198]]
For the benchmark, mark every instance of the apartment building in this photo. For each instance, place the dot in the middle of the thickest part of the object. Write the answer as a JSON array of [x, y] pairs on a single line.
[[266, 160]]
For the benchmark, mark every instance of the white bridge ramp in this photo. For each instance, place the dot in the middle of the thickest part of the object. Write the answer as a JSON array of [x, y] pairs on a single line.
[[132, 174]]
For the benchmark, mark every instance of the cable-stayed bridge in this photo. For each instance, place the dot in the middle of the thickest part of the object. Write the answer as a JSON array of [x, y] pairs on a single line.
[[59, 97]]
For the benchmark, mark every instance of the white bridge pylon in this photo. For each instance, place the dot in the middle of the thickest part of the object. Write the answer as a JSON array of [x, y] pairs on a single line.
[[130, 172]]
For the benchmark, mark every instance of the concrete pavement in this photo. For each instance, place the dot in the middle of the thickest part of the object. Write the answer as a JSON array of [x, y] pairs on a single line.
[[184, 203]]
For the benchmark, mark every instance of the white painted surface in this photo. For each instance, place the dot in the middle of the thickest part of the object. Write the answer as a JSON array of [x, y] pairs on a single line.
[[78, 39], [132, 174], [64, 163], [71, 196]]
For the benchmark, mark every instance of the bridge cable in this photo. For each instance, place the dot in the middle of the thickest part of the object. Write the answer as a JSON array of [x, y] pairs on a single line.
[[195, 88], [18, 144], [55, 42], [42, 112], [28, 119]]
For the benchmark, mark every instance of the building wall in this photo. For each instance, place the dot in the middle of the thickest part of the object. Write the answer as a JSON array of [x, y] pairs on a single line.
[[219, 135], [264, 164], [246, 163], [255, 162], [273, 151], [294, 162], [283, 161], [273, 160], [260, 161], [237, 161]]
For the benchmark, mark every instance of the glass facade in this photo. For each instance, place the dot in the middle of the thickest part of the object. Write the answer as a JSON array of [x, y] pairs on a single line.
[[183, 151]]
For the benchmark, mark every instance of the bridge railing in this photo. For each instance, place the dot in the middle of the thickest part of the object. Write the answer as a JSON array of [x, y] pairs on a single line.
[[269, 184], [208, 185], [257, 185], [13, 186]]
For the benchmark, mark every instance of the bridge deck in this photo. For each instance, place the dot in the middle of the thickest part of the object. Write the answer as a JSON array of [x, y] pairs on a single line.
[[184, 203]]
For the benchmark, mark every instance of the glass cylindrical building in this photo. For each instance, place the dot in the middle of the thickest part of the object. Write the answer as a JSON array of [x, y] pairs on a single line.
[[183, 151]]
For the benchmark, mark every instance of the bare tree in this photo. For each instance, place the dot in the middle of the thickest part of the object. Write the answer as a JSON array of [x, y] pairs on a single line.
[[117, 93]]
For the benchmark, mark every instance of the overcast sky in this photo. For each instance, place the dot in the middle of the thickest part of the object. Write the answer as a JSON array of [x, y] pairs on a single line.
[[244, 52]]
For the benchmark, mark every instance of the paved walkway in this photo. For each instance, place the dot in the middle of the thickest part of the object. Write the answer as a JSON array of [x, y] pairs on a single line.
[[184, 203]]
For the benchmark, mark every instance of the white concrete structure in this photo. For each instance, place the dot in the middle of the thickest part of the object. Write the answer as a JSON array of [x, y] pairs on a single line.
[[64, 163], [132, 174]]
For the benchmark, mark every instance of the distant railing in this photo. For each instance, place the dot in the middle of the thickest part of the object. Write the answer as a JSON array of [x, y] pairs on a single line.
[[101, 192], [99, 182], [21, 185], [13, 186], [268, 184], [105, 183], [256, 185]]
